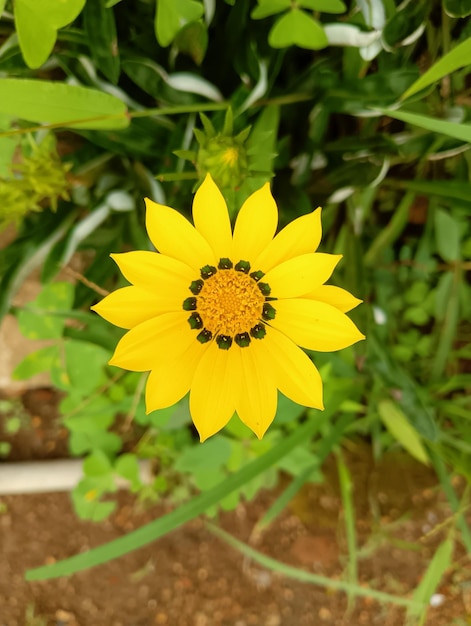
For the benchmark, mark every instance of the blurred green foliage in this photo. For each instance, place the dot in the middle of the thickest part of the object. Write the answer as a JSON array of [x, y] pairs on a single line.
[[362, 107]]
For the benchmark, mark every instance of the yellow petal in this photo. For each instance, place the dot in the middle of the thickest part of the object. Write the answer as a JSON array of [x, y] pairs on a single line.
[[301, 275], [255, 225], [130, 306], [173, 235], [339, 298], [155, 272], [292, 370], [257, 395], [211, 218], [171, 379], [300, 236], [212, 395], [146, 345], [315, 325]]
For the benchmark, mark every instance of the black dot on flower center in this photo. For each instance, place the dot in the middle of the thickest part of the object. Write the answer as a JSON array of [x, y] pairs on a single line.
[[242, 266], [225, 264], [242, 339], [196, 286], [268, 312], [224, 342], [264, 288], [257, 275], [189, 304], [204, 336], [207, 271], [258, 331], [195, 321]]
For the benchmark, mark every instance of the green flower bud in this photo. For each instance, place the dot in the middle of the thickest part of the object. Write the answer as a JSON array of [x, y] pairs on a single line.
[[225, 158]]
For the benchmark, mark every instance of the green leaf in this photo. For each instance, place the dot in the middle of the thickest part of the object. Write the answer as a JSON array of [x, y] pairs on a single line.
[[431, 579], [172, 15], [287, 410], [96, 415], [83, 442], [188, 511], [208, 478], [158, 419], [127, 466], [58, 14], [404, 23], [57, 103], [449, 189], [37, 22], [95, 511], [86, 498], [447, 235], [457, 8], [378, 90], [266, 8], [208, 456], [33, 320], [84, 365], [451, 129], [297, 28], [193, 41], [38, 361], [323, 6], [100, 32], [59, 377], [2, 6], [459, 57], [96, 464], [56, 296], [400, 428], [298, 461]]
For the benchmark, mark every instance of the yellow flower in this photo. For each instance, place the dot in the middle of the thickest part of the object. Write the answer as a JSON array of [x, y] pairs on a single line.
[[221, 314]]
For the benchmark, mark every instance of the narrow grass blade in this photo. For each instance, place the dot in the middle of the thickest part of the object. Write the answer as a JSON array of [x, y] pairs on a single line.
[[303, 576], [450, 129], [449, 327], [186, 512], [346, 489], [453, 60], [453, 501], [391, 231], [430, 581], [447, 189]]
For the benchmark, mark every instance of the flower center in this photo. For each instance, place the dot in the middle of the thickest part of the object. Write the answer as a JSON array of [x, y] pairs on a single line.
[[229, 303]]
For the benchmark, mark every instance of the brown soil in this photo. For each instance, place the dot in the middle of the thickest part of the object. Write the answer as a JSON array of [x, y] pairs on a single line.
[[191, 578]]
